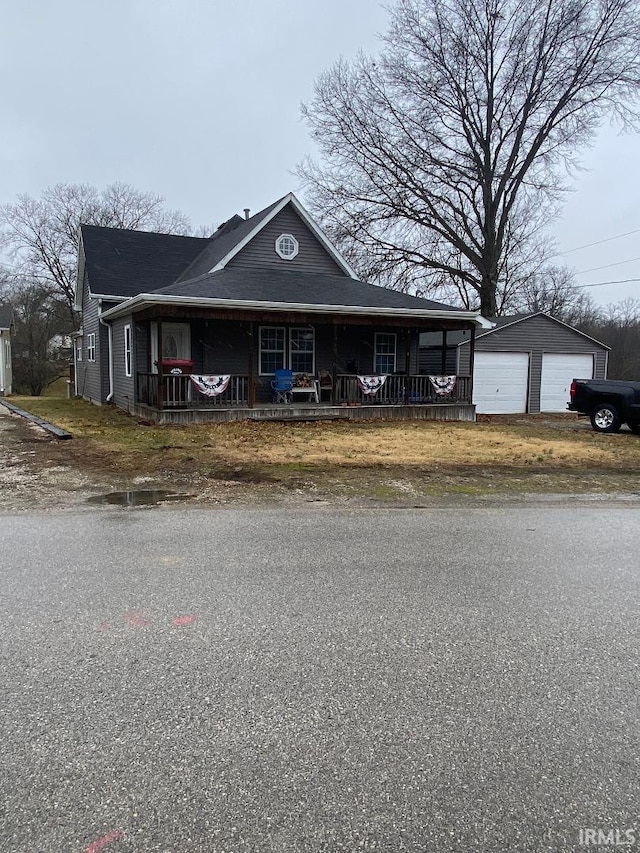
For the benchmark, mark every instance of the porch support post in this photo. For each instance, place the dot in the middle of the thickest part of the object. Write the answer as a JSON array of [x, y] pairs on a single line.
[[472, 356], [252, 378], [334, 370], [160, 380], [407, 365]]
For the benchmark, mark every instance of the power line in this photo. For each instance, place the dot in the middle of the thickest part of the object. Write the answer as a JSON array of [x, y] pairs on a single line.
[[602, 283], [598, 242], [607, 266]]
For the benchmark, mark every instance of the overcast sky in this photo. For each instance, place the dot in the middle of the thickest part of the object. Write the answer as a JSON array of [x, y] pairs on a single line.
[[199, 100]]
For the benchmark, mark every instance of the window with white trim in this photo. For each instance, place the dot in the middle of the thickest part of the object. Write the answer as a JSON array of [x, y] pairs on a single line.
[[78, 349], [287, 247], [91, 346], [301, 349], [272, 349], [384, 360], [127, 351], [292, 348]]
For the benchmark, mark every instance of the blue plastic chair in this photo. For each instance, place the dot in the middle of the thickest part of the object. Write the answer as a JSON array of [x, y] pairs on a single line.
[[282, 385]]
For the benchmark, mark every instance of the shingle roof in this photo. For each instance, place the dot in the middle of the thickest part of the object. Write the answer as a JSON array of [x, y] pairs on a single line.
[[122, 262], [126, 263], [272, 285], [223, 241], [6, 317], [511, 319]]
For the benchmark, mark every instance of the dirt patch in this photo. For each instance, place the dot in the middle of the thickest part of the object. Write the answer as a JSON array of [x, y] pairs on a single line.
[[34, 469]]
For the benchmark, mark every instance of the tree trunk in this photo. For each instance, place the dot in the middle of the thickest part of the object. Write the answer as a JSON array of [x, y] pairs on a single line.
[[488, 306]]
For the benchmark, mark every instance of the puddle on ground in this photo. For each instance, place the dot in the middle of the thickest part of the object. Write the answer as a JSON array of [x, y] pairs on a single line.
[[142, 497]]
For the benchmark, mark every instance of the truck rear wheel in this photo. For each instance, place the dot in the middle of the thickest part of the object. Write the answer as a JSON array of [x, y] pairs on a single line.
[[605, 418]]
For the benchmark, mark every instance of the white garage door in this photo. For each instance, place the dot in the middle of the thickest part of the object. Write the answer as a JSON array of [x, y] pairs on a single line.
[[558, 369], [500, 381]]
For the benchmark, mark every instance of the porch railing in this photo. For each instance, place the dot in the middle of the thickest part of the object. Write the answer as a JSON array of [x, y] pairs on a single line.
[[171, 391], [176, 391], [401, 390]]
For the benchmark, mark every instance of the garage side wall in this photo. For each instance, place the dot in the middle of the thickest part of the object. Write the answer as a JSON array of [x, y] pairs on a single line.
[[536, 335]]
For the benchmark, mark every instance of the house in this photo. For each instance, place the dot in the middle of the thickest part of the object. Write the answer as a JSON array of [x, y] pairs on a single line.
[[6, 328], [188, 329], [526, 363]]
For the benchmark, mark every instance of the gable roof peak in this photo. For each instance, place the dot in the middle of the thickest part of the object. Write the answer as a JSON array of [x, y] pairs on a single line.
[[234, 234], [260, 220]]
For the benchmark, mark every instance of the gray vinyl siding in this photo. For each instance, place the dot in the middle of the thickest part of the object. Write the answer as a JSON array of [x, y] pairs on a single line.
[[104, 349], [219, 346], [92, 377], [260, 252], [536, 335], [89, 378], [123, 385], [431, 361]]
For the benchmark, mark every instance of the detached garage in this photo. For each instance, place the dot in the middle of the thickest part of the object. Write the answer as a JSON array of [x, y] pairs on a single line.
[[526, 364]]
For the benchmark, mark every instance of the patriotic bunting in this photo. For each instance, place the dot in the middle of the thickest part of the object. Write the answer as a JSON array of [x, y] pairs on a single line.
[[211, 386], [370, 385], [443, 384]]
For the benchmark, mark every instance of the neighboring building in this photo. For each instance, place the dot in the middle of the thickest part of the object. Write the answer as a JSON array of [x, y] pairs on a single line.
[[262, 293], [6, 328], [527, 362]]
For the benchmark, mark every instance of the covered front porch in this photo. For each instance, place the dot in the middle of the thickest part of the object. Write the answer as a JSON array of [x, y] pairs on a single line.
[[188, 366]]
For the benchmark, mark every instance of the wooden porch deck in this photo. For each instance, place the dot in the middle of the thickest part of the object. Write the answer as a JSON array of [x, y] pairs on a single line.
[[301, 412]]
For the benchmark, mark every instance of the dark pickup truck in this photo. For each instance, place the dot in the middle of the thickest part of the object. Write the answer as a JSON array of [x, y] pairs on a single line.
[[608, 402]]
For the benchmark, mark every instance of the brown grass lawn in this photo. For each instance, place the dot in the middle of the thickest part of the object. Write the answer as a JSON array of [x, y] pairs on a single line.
[[383, 459]]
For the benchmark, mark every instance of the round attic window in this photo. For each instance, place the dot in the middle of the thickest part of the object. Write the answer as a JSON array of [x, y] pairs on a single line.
[[287, 246]]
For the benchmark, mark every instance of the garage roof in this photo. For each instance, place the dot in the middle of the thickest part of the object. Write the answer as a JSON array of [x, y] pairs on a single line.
[[504, 321]]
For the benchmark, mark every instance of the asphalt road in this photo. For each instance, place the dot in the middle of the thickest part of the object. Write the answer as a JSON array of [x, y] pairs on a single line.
[[437, 680]]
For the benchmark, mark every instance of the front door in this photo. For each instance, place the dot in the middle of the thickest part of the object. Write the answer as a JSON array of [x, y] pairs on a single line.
[[176, 342]]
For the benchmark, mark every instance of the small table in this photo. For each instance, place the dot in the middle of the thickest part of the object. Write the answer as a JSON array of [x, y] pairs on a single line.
[[311, 390]]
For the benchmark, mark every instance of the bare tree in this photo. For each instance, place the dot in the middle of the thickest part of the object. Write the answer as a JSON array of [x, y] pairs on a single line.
[[553, 290], [619, 327], [454, 144], [41, 328], [40, 236]]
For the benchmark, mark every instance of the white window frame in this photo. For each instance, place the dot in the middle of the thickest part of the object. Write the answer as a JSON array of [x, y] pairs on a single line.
[[313, 351], [78, 349], [91, 346], [128, 351], [287, 256], [286, 352], [376, 353], [261, 350]]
